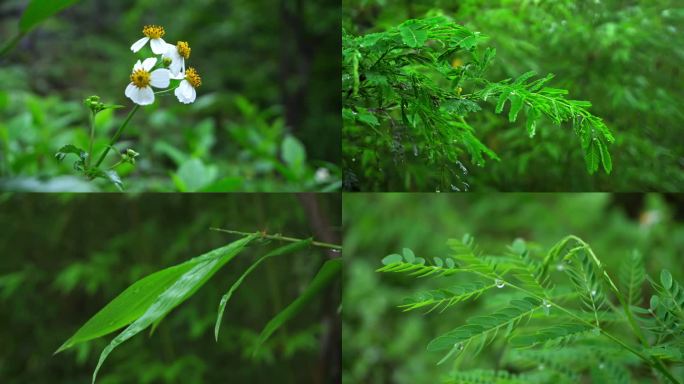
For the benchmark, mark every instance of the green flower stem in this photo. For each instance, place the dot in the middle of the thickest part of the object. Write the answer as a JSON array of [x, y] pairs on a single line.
[[116, 136], [92, 138], [279, 237]]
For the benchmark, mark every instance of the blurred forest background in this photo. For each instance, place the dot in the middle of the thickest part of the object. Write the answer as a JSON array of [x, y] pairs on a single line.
[[385, 345], [623, 56], [65, 256], [266, 68]]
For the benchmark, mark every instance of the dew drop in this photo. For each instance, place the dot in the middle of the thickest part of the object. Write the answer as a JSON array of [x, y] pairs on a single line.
[[353, 159], [593, 292], [547, 307], [601, 366], [541, 367], [458, 346], [560, 267], [499, 283]]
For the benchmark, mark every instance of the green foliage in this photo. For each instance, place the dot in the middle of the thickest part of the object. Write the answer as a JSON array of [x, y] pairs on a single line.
[[330, 270], [149, 300], [277, 252], [622, 57], [554, 316], [263, 86], [409, 92], [39, 10]]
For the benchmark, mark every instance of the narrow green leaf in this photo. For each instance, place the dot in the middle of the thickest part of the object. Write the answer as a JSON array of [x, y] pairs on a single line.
[[666, 279], [276, 252], [516, 105], [502, 100], [201, 269], [39, 10], [592, 157], [531, 124], [605, 157], [326, 275]]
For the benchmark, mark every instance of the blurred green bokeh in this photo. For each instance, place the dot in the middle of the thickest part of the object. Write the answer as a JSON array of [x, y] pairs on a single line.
[[65, 256], [623, 56], [382, 344], [266, 68]]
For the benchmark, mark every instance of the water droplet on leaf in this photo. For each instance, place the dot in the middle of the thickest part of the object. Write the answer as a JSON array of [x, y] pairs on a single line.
[[499, 283]]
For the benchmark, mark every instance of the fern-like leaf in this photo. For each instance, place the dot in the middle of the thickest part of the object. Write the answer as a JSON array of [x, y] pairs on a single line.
[[484, 328], [632, 275], [445, 298], [552, 336]]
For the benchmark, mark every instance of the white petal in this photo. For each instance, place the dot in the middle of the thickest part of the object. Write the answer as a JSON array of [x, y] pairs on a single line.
[[170, 50], [143, 96], [187, 89], [149, 63], [158, 46], [176, 66], [139, 44], [159, 78], [193, 95], [183, 96], [137, 66], [129, 90]]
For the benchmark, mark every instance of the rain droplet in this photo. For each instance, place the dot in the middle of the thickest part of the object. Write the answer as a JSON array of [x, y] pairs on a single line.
[[499, 283], [541, 367], [335, 250], [437, 190], [458, 346], [353, 159], [547, 307], [601, 366], [560, 267], [593, 292]]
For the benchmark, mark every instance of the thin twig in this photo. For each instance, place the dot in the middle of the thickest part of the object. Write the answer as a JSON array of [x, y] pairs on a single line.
[[264, 235]]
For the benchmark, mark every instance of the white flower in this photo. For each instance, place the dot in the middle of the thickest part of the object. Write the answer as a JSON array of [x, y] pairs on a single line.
[[322, 175], [139, 89], [185, 92], [153, 34], [177, 53]]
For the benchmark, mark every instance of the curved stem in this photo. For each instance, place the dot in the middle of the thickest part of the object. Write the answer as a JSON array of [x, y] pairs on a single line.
[[117, 135], [279, 237]]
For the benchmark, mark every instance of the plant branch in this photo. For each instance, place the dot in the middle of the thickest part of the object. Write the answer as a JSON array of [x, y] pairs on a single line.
[[116, 136], [264, 235]]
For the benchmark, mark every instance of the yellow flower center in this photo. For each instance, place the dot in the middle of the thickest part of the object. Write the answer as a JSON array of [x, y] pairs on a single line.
[[192, 77], [183, 49], [153, 31], [140, 78]]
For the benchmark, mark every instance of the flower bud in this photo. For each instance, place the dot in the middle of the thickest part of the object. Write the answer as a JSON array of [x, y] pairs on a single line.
[[166, 62]]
